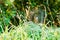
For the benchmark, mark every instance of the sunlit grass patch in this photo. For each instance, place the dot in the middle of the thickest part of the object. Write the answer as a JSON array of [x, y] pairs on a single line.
[[31, 31]]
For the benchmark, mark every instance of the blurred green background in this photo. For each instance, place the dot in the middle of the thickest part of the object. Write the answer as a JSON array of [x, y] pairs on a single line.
[[29, 19], [16, 12]]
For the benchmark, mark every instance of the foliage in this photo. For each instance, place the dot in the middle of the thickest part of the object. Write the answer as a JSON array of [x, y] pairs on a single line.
[[31, 31], [9, 9], [15, 14]]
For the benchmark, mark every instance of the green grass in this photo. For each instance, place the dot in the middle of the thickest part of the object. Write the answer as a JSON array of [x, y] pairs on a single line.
[[31, 31]]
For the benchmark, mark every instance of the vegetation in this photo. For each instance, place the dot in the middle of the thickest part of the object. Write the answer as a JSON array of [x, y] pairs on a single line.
[[31, 31], [29, 19]]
